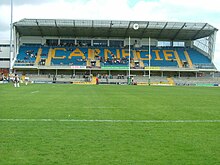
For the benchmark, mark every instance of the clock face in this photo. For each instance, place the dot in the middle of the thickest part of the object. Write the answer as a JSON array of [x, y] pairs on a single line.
[[135, 26]]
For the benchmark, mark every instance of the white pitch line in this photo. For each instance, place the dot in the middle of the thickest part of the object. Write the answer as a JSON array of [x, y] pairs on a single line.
[[104, 107], [35, 92], [110, 121]]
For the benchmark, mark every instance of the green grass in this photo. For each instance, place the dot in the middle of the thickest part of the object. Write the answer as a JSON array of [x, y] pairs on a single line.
[[56, 142]]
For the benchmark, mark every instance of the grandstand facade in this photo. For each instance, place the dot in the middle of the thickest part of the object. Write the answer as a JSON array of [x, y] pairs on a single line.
[[4, 56], [73, 47]]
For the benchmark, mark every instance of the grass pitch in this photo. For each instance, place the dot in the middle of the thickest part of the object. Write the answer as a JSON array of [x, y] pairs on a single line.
[[65, 139]]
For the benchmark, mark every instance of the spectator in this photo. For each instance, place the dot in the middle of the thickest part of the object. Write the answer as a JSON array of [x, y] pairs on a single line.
[[132, 81], [106, 76], [26, 79], [16, 81], [97, 81], [54, 78]]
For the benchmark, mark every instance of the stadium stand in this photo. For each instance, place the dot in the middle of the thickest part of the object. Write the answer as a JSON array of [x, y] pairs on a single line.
[[101, 47], [161, 57]]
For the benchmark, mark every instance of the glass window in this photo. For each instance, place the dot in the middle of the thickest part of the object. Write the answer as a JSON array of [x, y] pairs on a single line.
[[164, 43], [116, 43], [52, 42], [3, 45], [67, 42], [100, 43], [178, 44], [83, 42]]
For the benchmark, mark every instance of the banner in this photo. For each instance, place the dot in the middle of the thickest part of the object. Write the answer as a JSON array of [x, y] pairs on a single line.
[[78, 67], [115, 67], [152, 68]]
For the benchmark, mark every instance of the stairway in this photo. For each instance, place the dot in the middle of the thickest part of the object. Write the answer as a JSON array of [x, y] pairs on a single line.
[[179, 62], [50, 54], [132, 65], [98, 63], [92, 53], [188, 59], [38, 58], [91, 56], [141, 64], [137, 57], [88, 63]]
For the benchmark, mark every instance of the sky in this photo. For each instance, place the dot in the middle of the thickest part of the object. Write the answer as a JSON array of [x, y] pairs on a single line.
[[205, 11]]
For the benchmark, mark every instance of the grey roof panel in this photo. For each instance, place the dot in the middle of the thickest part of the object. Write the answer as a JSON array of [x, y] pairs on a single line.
[[114, 28]]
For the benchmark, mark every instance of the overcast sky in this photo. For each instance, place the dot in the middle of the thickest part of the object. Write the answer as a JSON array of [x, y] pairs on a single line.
[[207, 11]]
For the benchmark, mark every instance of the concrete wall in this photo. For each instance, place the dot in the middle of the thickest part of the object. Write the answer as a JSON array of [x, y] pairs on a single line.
[[4, 64], [4, 52]]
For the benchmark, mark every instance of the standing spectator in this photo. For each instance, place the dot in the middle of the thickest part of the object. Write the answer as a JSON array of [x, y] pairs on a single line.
[[132, 80], [106, 76], [2, 77], [26, 79], [16, 81], [97, 81], [54, 79]]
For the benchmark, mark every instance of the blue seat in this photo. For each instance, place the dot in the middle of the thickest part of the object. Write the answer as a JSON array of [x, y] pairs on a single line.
[[195, 56]]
